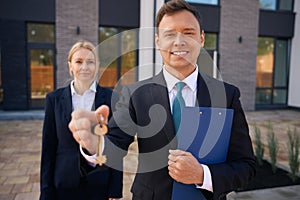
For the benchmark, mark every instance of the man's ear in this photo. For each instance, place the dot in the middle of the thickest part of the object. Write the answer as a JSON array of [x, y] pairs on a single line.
[[157, 44], [202, 38]]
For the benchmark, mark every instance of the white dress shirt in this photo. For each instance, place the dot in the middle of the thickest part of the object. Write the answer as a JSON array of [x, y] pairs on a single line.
[[189, 94], [85, 101]]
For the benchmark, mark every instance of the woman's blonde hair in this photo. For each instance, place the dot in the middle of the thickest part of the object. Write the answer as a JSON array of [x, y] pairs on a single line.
[[86, 45]]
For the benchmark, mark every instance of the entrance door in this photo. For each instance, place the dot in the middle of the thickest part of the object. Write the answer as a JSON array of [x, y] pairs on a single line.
[[42, 68]]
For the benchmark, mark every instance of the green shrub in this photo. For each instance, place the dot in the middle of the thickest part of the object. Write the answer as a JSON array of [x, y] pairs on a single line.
[[293, 151], [273, 147], [259, 149]]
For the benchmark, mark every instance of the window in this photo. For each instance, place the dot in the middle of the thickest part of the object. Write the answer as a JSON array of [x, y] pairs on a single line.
[[210, 2], [276, 5], [118, 56], [40, 33], [272, 71], [267, 4], [41, 67], [41, 44], [208, 55], [286, 5]]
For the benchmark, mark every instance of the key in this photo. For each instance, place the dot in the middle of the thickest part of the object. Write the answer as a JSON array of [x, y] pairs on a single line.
[[100, 130]]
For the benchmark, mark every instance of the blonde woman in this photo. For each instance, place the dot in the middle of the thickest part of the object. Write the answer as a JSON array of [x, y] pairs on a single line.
[[65, 173]]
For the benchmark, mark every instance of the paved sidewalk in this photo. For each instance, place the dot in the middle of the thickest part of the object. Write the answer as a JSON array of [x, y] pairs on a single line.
[[20, 144]]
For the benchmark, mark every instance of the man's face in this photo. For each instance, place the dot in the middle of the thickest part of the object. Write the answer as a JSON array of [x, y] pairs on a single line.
[[179, 40]]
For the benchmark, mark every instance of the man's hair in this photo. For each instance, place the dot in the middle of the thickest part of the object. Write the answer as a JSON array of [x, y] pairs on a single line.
[[174, 6]]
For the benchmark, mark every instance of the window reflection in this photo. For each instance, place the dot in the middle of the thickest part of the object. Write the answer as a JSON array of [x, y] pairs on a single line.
[[210, 2], [208, 55], [118, 56], [264, 62], [40, 33], [286, 5], [267, 4], [271, 71], [41, 72]]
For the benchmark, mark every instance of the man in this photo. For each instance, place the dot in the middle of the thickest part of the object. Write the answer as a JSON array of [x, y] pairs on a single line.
[[146, 109]]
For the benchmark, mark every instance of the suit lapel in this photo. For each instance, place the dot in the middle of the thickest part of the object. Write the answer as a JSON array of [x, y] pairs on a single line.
[[159, 89], [203, 93], [66, 103], [100, 97]]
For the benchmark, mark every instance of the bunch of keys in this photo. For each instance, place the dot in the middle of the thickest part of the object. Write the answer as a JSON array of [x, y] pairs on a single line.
[[100, 130]]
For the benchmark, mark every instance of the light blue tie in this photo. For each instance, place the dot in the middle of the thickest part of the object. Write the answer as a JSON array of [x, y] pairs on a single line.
[[178, 105]]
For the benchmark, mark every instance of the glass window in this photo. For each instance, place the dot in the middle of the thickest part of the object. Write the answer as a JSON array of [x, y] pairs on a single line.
[[210, 2], [264, 62], [41, 72], [279, 96], [118, 55], [210, 41], [286, 5], [40, 33], [272, 67], [267, 4], [280, 70], [207, 59], [263, 96]]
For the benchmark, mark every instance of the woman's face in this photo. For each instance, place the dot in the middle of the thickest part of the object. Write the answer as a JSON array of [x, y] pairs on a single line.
[[83, 65]]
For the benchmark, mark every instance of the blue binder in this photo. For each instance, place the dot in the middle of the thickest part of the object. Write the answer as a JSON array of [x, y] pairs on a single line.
[[205, 132]]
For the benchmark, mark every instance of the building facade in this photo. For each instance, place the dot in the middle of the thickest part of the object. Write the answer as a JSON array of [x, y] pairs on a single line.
[[252, 44]]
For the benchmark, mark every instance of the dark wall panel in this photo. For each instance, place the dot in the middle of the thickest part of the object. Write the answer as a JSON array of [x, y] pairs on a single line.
[[276, 24], [14, 72], [210, 17], [125, 13], [28, 10]]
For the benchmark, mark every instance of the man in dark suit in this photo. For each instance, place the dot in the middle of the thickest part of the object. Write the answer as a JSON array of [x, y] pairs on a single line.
[[146, 109]]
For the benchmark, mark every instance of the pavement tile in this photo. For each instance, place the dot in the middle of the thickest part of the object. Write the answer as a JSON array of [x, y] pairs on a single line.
[[5, 189], [20, 188], [16, 180], [36, 187], [13, 172], [28, 196], [7, 196]]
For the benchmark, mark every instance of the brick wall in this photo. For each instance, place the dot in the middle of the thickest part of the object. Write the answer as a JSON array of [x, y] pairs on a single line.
[[238, 59], [71, 14]]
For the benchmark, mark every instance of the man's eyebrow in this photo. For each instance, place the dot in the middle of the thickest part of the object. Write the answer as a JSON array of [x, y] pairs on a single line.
[[189, 29]]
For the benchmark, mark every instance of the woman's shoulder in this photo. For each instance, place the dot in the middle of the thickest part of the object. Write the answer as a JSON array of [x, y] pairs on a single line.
[[58, 92]]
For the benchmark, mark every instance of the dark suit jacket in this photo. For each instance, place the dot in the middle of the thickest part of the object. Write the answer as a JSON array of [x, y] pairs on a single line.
[[64, 172], [144, 109]]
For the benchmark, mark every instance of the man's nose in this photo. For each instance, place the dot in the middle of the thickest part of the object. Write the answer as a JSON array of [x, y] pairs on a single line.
[[179, 40]]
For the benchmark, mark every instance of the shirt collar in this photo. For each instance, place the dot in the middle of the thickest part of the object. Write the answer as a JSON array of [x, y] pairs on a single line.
[[190, 81], [92, 88]]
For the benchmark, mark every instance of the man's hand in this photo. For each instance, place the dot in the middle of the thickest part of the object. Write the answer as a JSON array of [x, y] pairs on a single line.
[[81, 124], [184, 167]]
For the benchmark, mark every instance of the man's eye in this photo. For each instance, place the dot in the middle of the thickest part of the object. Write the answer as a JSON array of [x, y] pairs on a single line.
[[78, 62], [188, 33], [170, 35]]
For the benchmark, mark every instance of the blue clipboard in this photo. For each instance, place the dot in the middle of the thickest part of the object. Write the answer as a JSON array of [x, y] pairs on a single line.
[[205, 132]]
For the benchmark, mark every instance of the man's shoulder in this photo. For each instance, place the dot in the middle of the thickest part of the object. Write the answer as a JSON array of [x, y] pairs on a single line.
[[213, 82], [146, 83]]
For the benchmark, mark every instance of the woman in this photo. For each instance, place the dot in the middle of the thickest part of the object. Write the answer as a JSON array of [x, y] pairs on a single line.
[[65, 173]]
